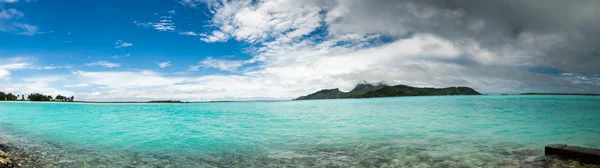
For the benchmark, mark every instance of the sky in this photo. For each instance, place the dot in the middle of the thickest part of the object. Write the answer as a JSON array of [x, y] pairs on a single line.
[[201, 50]]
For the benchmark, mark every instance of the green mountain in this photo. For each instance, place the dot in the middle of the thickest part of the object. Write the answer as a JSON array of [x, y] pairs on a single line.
[[366, 90]]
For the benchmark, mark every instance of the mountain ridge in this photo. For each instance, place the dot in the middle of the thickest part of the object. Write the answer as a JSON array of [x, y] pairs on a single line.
[[368, 90]]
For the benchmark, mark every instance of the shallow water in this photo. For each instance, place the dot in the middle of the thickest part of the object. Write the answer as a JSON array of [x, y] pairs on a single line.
[[440, 131]]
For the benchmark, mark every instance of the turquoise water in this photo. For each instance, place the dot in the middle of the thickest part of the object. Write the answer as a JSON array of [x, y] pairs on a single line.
[[440, 131]]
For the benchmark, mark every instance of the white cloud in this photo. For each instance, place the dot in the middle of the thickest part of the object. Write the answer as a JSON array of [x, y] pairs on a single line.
[[9, 1], [149, 85], [189, 33], [15, 66], [164, 64], [27, 29], [221, 64], [77, 85], [17, 63], [4, 73], [126, 79], [122, 44], [119, 56], [256, 22], [36, 85], [190, 3], [10, 14], [162, 25], [215, 36], [5, 69], [36, 67], [23, 63], [165, 23], [10, 21], [581, 79], [104, 64]]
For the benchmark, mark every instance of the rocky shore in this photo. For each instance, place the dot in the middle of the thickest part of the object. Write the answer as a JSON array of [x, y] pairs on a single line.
[[5, 161], [14, 156]]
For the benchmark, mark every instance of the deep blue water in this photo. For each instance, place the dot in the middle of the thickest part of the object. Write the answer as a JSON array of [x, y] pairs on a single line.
[[439, 131]]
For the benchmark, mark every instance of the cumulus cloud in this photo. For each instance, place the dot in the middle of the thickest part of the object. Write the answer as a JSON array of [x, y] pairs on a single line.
[[215, 36], [250, 22], [105, 64], [6, 68], [164, 64]]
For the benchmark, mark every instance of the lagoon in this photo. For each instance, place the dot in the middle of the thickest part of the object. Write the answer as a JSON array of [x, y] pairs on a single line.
[[429, 131]]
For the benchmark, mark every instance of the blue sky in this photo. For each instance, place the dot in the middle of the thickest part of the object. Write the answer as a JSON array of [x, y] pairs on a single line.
[[83, 32], [276, 49]]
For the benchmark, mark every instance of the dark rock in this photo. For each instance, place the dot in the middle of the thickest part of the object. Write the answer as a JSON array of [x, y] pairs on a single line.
[[582, 154]]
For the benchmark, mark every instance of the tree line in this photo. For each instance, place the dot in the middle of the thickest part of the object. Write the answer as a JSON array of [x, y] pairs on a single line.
[[34, 97]]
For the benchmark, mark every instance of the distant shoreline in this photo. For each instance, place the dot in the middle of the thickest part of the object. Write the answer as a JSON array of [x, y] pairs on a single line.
[[192, 102], [562, 94]]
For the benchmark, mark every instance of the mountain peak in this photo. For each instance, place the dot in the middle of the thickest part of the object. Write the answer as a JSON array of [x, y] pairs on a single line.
[[368, 90]]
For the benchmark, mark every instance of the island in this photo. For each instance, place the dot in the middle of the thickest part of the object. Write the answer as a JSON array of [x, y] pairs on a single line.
[[34, 97], [368, 90]]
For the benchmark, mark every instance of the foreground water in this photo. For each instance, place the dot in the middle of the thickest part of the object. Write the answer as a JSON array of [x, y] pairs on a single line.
[[446, 131]]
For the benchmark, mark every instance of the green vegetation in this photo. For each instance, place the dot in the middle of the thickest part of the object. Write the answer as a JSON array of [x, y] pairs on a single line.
[[34, 97], [367, 90], [63, 98], [9, 96], [39, 97]]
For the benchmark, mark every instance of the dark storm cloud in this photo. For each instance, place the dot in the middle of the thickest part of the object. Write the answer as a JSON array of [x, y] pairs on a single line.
[[576, 22], [556, 33]]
